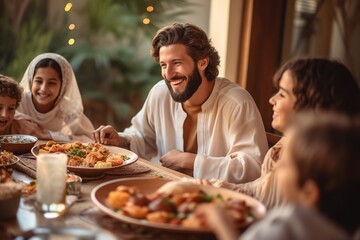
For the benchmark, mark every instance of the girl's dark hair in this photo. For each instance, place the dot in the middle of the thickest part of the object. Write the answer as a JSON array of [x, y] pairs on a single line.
[[10, 88], [48, 62], [325, 148], [196, 41], [322, 84]]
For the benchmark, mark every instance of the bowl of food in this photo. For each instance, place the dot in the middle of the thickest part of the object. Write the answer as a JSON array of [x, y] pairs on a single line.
[[17, 143], [73, 184], [8, 161]]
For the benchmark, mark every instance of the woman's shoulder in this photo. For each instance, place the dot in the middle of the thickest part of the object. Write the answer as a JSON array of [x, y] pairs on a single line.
[[272, 156]]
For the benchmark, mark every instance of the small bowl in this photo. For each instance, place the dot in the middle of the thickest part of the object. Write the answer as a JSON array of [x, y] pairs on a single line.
[[73, 184], [17, 143]]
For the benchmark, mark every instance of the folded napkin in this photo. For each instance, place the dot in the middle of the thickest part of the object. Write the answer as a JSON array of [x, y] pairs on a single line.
[[27, 166]]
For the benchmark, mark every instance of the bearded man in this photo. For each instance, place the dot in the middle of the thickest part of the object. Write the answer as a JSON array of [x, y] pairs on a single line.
[[192, 120]]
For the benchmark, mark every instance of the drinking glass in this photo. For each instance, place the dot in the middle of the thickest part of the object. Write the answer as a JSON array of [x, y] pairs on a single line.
[[51, 184]]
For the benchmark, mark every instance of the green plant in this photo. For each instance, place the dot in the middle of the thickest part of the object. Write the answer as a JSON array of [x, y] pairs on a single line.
[[22, 36], [110, 56]]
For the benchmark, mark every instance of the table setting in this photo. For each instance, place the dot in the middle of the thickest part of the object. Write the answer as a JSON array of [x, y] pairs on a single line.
[[78, 204]]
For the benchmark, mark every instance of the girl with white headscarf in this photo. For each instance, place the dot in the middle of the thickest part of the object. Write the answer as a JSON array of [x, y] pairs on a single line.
[[52, 99]]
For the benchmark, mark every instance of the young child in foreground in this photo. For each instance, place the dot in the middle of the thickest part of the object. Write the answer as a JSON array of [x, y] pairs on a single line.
[[10, 97], [318, 176]]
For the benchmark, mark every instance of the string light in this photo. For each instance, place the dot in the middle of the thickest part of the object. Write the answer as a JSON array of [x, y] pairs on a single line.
[[146, 21], [71, 41], [149, 8], [68, 7], [71, 26]]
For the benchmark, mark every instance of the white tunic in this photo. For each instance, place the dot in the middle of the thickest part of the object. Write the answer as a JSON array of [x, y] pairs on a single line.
[[231, 138]]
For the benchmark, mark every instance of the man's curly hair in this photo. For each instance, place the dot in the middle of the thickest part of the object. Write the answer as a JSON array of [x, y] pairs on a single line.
[[196, 41], [10, 88]]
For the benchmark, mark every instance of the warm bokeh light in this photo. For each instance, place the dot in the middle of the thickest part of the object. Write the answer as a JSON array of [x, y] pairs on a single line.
[[72, 26], [68, 7], [146, 20], [71, 41], [150, 8]]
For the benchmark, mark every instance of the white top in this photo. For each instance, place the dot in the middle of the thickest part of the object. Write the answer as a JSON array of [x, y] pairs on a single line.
[[231, 137], [265, 188], [66, 121], [295, 223]]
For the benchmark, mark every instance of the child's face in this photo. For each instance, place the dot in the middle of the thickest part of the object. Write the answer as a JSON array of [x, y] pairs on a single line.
[[7, 111], [45, 89], [283, 102]]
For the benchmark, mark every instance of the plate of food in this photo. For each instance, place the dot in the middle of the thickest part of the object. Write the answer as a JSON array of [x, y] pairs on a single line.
[[89, 159], [170, 205]]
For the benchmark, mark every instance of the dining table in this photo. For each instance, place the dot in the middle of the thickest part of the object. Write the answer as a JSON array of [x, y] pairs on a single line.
[[82, 213]]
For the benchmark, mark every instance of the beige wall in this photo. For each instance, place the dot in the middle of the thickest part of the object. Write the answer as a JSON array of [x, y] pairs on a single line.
[[224, 30], [198, 14]]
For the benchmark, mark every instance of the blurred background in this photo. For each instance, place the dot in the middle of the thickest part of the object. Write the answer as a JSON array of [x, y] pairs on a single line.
[[108, 43]]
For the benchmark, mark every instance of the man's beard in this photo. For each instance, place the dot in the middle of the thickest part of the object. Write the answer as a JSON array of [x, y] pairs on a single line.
[[193, 84]]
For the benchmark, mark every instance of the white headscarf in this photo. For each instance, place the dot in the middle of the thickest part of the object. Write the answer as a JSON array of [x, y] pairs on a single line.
[[66, 121]]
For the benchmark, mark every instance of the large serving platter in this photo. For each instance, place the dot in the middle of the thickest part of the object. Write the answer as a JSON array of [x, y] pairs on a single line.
[[93, 172], [149, 185]]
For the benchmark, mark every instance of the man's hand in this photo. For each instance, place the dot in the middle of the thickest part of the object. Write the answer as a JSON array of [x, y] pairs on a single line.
[[179, 161], [109, 136]]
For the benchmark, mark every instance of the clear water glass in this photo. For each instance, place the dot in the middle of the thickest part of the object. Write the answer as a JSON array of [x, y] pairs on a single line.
[[51, 184]]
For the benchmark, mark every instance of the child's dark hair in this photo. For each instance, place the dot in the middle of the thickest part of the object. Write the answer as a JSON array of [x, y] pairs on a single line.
[[48, 62], [10, 88], [325, 148]]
